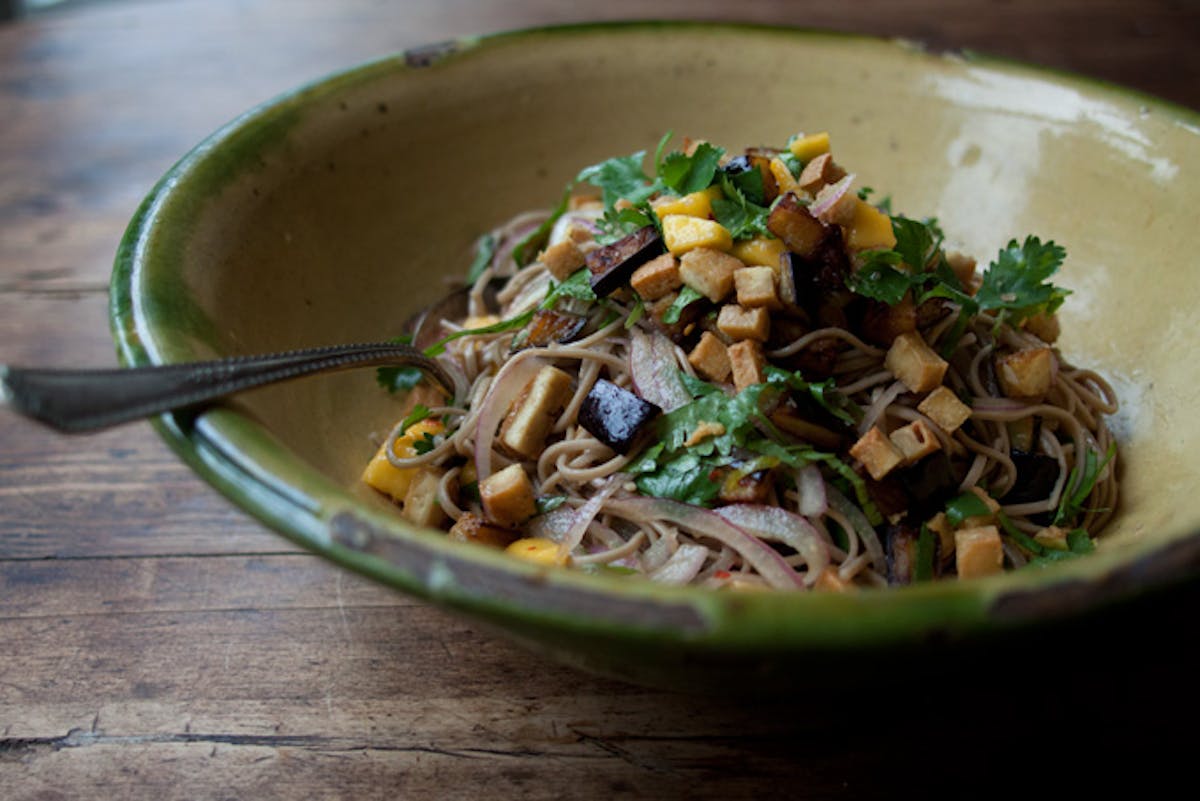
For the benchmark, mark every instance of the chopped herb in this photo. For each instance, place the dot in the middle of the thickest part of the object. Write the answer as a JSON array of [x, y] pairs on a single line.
[[419, 412], [1079, 542], [749, 184], [1080, 483], [966, 505], [1015, 283], [616, 225], [697, 387], [825, 393], [636, 313], [549, 503], [684, 174], [687, 296], [577, 285], [398, 379], [926, 547], [736, 213], [485, 250], [620, 177], [439, 347], [794, 165], [687, 478], [425, 444]]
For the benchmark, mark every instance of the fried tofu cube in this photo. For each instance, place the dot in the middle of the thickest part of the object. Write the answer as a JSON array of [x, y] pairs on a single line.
[[1043, 326], [877, 453], [939, 524], [539, 550], [747, 362], [1027, 374], [528, 422], [915, 440], [809, 147], [709, 272], [915, 363], [657, 277], [978, 552], [473, 528], [739, 322], [710, 358], [761, 251], [508, 496], [755, 287], [831, 581], [696, 204], [382, 475], [819, 172], [562, 259], [943, 407], [683, 233], [420, 502], [869, 228], [1052, 537]]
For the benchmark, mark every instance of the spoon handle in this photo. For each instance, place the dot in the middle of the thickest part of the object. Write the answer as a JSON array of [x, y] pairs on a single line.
[[74, 401]]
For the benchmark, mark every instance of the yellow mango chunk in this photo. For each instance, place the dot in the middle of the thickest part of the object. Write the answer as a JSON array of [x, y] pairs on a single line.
[[783, 176], [683, 233], [539, 550], [869, 228], [697, 204], [761, 251], [394, 481], [807, 148]]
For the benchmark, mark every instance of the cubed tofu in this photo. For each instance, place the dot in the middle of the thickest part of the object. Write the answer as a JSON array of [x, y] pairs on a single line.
[[819, 172], [696, 204], [420, 502], [709, 272], [939, 524], [710, 358], [683, 233], [1043, 326], [508, 496], [473, 528], [831, 581], [915, 363], [739, 322], [915, 440], [838, 205], [1027, 374], [755, 287], [539, 550], [809, 147], [562, 259], [943, 407], [978, 552], [877, 453], [528, 422], [783, 176], [762, 251], [1052, 537], [657, 277], [869, 228], [747, 362], [382, 475]]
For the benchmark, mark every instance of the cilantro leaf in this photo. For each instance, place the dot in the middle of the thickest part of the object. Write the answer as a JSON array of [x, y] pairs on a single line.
[[577, 285], [619, 177], [524, 251], [636, 313], [687, 478], [697, 387], [439, 347], [684, 174], [548, 503], [825, 393], [425, 444], [617, 225], [794, 165], [419, 412], [398, 379], [1016, 282], [879, 280], [749, 183], [687, 296], [735, 211], [916, 241]]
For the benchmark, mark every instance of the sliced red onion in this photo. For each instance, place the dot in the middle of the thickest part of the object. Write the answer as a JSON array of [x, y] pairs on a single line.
[[505, 388], [764, 559], [866, 532], [810, 486], [683, 566], [828, 197], [553, 525], [780, 525], [584, 516], [655, 376]]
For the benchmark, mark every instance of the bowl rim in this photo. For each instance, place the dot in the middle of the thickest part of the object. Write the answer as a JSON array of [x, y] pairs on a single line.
[[239, 457]]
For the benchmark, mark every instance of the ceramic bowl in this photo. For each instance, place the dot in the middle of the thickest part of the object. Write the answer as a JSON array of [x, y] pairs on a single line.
[[330, 214]]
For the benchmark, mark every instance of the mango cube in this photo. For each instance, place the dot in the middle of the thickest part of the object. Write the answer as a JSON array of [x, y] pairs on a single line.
[[809, 147], [539, 550], [869, 228], [683, 233], [382, 475], [761, 251], [696, 204]]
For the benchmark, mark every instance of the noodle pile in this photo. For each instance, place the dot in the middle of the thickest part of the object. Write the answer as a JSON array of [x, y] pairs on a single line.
[[821, 522]]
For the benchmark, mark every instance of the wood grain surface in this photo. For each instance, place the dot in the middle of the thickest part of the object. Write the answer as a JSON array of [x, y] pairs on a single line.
[[157, 643]]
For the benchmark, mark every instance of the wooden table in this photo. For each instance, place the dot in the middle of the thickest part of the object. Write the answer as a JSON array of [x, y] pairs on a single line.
[[157, 643]]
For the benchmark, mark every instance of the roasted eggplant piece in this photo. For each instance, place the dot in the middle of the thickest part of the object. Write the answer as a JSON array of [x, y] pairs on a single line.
[[547, 327], [881, 323], [684, 330], [616, 416], [1036, 476], [800, 231], [901, 554], [930, 484], [612, 265]]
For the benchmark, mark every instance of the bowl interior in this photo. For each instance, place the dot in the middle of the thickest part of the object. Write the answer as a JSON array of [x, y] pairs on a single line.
[[333, 213]]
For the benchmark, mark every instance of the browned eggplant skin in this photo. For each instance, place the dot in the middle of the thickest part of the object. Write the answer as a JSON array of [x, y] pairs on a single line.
[[616, 416], [612, 265]]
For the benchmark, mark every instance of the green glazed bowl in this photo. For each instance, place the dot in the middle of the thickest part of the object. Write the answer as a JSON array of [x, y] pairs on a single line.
[[330, 214]]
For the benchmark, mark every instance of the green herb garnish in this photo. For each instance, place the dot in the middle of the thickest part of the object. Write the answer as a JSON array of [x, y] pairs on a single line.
[[687, 296]]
